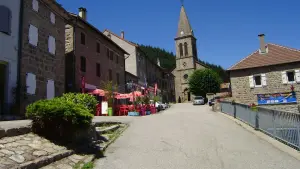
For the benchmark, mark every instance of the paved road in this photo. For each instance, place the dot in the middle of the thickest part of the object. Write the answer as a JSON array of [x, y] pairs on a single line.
[[191, 137]]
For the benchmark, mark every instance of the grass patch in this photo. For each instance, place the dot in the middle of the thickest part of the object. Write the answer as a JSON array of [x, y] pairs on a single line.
[[89, 165]]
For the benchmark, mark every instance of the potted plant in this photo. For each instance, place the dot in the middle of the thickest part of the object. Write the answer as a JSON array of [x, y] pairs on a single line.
[[109, 88], [148, 108]]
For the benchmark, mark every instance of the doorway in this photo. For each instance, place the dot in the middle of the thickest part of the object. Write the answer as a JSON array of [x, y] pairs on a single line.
[[189, 96], [3, 86]]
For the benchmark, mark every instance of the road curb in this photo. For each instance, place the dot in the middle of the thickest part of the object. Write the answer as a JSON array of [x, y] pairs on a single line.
[[277, 144]]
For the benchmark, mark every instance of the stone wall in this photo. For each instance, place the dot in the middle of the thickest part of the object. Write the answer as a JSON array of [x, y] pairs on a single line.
[[89, 51], [242, 92], [37, 59]]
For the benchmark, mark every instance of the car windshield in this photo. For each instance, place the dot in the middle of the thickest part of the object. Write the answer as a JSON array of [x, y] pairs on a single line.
[[198, 97]]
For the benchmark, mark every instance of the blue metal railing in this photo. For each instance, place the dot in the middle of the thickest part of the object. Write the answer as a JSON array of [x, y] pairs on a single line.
[[283, 126]]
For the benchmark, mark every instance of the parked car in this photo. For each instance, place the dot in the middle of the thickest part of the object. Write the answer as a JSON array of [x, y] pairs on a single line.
[[158, 105], [198, 100], [164, 106]]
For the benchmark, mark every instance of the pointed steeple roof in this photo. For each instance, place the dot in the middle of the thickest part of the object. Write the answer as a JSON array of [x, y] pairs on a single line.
[[184, 26]]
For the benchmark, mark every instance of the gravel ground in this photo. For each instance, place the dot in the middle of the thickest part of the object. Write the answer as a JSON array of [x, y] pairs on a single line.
[[191, 137]]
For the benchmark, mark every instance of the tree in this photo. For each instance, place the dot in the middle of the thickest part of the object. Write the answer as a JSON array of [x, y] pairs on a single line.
[[204, 81]]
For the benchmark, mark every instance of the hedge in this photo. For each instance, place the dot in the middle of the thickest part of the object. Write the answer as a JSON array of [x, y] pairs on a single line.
[[86, 100], [58, 118]]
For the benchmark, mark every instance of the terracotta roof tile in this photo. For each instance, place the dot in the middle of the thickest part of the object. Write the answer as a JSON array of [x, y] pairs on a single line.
[[276, 55]]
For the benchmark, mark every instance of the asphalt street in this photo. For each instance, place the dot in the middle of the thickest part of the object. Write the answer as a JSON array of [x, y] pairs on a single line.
[[191, 137]]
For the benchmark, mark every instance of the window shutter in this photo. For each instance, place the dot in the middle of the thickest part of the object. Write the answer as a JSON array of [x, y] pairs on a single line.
[[51, 45], [50, 89], [251, 82], [5, 18], [35, 5], [284, 77], [263, 80], [297, 74], [30, 83], [33, 35], [52, 17]]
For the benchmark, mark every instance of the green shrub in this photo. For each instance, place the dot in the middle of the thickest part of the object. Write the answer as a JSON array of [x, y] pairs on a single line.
[[58, 119], [85, 100]]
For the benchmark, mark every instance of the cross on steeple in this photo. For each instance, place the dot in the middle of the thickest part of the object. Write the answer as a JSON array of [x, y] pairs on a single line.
[[182, 1]]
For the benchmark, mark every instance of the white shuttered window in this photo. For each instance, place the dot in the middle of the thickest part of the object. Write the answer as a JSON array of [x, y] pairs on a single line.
[[30, 83], [297, 75], [52, 17], [35, 5], [33, 35], [50, 89], [263, 80], [251, 81], [51, 45], [284, 77]]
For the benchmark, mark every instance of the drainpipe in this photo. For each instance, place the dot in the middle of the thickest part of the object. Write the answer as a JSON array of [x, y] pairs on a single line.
[[20, 46]]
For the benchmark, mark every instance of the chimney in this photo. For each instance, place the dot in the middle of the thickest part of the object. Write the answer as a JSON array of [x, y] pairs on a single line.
[[262, 43], [82, 13], [122, 34]]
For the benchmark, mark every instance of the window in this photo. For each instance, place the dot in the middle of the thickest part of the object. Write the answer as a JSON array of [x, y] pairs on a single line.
[[50, 89], [180, 49], [5, 18], [118, 78], [107, 53], [83, 64], [257, 80], [52, 17], [98, 71], [82, 38], [35, 5], [33, 35], [117, 59], [290, 76], [186, 49], [111, 55], [194, 50], [51, 45], [31, 83], [185, 76], [110, 75], [98, 47]]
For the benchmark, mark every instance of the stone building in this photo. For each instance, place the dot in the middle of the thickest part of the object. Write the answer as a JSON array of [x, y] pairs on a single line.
[[135, 62], [146, 70], [186, 57], [92, 56], [267, 77], [9, 52], [43, 50]]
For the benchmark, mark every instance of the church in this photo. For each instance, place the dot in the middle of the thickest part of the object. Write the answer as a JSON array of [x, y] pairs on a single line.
[[186, 58]]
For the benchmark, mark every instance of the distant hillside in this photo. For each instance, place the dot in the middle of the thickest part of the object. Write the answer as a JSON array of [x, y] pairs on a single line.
[[168, 61]]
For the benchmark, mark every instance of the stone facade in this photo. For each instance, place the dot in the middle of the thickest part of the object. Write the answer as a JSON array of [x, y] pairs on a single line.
[[139, 65], [9, 48], [37, 60], [97, 49], [186, 58], [135, 62], [242, 93]]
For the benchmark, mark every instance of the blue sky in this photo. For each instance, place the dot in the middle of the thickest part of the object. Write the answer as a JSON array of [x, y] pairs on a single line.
[[226, 30]]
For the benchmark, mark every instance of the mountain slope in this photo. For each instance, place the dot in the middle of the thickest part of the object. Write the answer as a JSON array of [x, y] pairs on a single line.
[[168, 60]]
